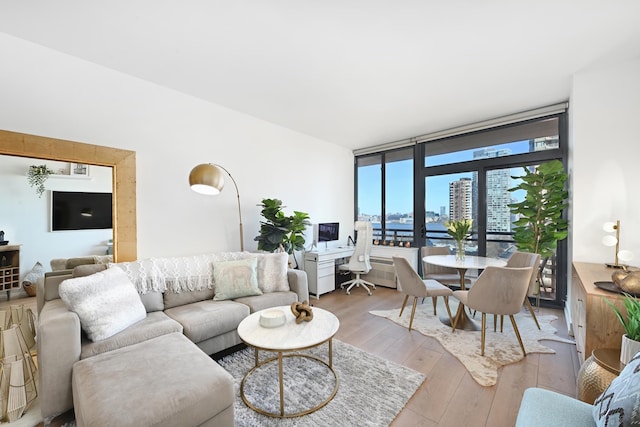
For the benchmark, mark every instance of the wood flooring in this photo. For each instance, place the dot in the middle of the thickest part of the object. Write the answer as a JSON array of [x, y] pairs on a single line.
[[449, 396]]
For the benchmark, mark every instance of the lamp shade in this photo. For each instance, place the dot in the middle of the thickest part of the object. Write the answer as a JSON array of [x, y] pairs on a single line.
[[206, 179], [609, 227], [609, 240]]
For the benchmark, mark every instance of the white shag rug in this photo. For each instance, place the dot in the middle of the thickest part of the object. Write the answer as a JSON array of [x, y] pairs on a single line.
[[371, 391], [500, 348]]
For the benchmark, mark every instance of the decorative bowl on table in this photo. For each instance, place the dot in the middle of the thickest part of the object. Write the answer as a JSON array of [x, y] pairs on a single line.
[[272, 318]]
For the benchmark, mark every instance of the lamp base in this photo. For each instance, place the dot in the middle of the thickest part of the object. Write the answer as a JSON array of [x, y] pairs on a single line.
[[612, 265]]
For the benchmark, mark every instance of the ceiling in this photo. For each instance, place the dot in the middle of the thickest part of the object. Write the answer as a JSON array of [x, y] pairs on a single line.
[[352, 72]]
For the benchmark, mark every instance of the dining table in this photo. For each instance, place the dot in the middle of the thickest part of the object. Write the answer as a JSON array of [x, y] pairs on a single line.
[[462, 265]]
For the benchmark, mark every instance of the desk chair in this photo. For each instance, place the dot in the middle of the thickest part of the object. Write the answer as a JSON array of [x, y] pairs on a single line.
[[359, 262]]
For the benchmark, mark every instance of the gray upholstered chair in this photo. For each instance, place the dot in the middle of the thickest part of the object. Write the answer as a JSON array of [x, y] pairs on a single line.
[[446, 275], [359, 262], [526, 259], [412, 285], [499, 291]]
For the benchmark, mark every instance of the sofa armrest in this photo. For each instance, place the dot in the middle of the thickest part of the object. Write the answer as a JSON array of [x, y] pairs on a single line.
[[47, 286], [298, 283], [59, 345], [540, 407]]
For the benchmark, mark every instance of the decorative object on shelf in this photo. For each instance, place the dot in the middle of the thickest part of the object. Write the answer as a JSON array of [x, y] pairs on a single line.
[[609, 240], [2, 241], [37, 176], [540, 224], [79, 169], [207, 178], [279, 231], [460, 230], [631, 325], [272, 318], [302, 311], [628, 281]]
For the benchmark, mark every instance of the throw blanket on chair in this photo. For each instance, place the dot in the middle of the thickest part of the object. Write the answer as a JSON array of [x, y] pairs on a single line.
[[177, 274]]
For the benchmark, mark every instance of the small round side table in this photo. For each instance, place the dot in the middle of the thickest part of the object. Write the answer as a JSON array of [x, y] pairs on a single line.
[[597, 372]]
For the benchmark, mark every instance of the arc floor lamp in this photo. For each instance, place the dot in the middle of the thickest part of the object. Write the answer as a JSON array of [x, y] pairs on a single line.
[[207, 178]]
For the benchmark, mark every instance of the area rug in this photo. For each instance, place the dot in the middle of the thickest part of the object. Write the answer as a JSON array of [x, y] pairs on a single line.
[[371, 390], [500, 348]]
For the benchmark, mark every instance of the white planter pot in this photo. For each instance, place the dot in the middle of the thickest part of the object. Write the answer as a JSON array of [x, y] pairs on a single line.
[[629, 349]]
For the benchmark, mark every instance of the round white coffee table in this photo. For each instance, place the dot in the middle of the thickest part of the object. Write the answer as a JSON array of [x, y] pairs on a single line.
[[287, 340]]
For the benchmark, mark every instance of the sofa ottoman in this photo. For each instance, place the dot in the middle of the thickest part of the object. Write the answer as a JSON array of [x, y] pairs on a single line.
[[165, 381]]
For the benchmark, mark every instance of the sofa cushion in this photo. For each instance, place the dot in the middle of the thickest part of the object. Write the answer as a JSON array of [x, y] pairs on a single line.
[[173, 299], [272, 272], [268, 300], [205, 319], [540, 407], [105, 302], [154, 325], [619, 404], [234, 279]]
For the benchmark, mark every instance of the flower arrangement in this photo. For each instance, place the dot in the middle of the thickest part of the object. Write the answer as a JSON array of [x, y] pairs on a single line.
[[460, 230]]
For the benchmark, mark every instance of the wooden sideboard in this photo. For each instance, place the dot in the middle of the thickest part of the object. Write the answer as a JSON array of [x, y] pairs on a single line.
[[594, 323]]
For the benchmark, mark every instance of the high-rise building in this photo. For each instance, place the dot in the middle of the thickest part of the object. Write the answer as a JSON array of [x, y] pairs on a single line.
[[498, 195], [460, 199]]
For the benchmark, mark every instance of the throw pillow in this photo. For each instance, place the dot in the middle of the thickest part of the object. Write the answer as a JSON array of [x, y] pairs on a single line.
[[106, 302], [235, 279], [272, 272], [619, 404]]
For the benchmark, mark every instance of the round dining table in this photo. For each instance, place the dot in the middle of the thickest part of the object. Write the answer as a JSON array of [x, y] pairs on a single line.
[[462, 265]]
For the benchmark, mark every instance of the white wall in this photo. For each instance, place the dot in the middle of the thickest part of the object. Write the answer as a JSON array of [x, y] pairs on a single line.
[[25, 217], [605, 138], [51, 94]]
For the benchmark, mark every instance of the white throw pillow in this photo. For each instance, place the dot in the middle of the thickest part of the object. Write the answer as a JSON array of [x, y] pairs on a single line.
[[235, 279], [272, 272], [106, 302]]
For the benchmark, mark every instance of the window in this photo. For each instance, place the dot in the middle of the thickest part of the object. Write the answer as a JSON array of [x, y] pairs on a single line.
[[461, 176]]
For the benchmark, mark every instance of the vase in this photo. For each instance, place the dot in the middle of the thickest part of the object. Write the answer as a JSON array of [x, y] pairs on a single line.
[[629, 349], [460, 250]]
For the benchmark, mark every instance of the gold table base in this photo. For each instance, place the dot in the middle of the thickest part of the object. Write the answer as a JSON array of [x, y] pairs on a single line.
[[279, 358]]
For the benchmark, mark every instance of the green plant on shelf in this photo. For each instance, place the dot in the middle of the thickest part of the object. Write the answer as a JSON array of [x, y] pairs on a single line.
[[37, 176]]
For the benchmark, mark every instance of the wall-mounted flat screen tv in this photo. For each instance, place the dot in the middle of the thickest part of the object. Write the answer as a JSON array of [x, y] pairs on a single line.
[[328, 231], [73, 210]]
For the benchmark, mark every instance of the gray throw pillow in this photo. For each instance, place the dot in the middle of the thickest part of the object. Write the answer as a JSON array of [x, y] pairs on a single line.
[[619, 404]]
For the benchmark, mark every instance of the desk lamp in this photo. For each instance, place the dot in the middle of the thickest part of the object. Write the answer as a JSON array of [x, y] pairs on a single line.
[[208, 179], [610, 240]]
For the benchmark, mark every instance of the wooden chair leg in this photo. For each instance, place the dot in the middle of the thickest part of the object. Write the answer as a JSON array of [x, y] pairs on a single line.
[[458, 314], [434, 299], [528, 304], [515, 328], [483, 333], [403, 304], [501, 323], [495, 322], [446, 304], [413, 311]]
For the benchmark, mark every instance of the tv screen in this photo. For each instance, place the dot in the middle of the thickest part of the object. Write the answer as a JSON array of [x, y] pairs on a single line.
[[71, 210], [328, 231]]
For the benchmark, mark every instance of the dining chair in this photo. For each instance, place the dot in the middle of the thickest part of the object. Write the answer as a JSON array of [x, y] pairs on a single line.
[[497, 291], [527, 259], [359, 263], [412, 285], [446, 275]]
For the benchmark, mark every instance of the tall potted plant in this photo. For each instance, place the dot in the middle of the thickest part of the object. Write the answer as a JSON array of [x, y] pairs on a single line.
[[540, 225], [280, 231]]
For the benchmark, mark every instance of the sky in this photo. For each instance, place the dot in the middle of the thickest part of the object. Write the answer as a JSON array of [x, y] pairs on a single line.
[[400, 180]]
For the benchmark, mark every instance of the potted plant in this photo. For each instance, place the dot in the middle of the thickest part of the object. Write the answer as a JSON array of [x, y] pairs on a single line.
[[280, 231], [631, 325], [37, 176], [540, 225]]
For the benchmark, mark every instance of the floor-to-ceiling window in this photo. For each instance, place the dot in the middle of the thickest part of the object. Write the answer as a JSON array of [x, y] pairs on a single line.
[[463, 176]]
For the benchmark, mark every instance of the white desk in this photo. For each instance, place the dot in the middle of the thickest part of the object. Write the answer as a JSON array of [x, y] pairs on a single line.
[[321, 268]]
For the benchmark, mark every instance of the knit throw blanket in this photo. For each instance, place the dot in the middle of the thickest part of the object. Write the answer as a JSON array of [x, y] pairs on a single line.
[[176, 274]]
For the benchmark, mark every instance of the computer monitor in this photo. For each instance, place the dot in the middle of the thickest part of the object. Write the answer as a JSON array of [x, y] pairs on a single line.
[[328, 231]]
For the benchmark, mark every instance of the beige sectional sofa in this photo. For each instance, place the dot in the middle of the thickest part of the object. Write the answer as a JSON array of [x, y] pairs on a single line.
[[196, 313]]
